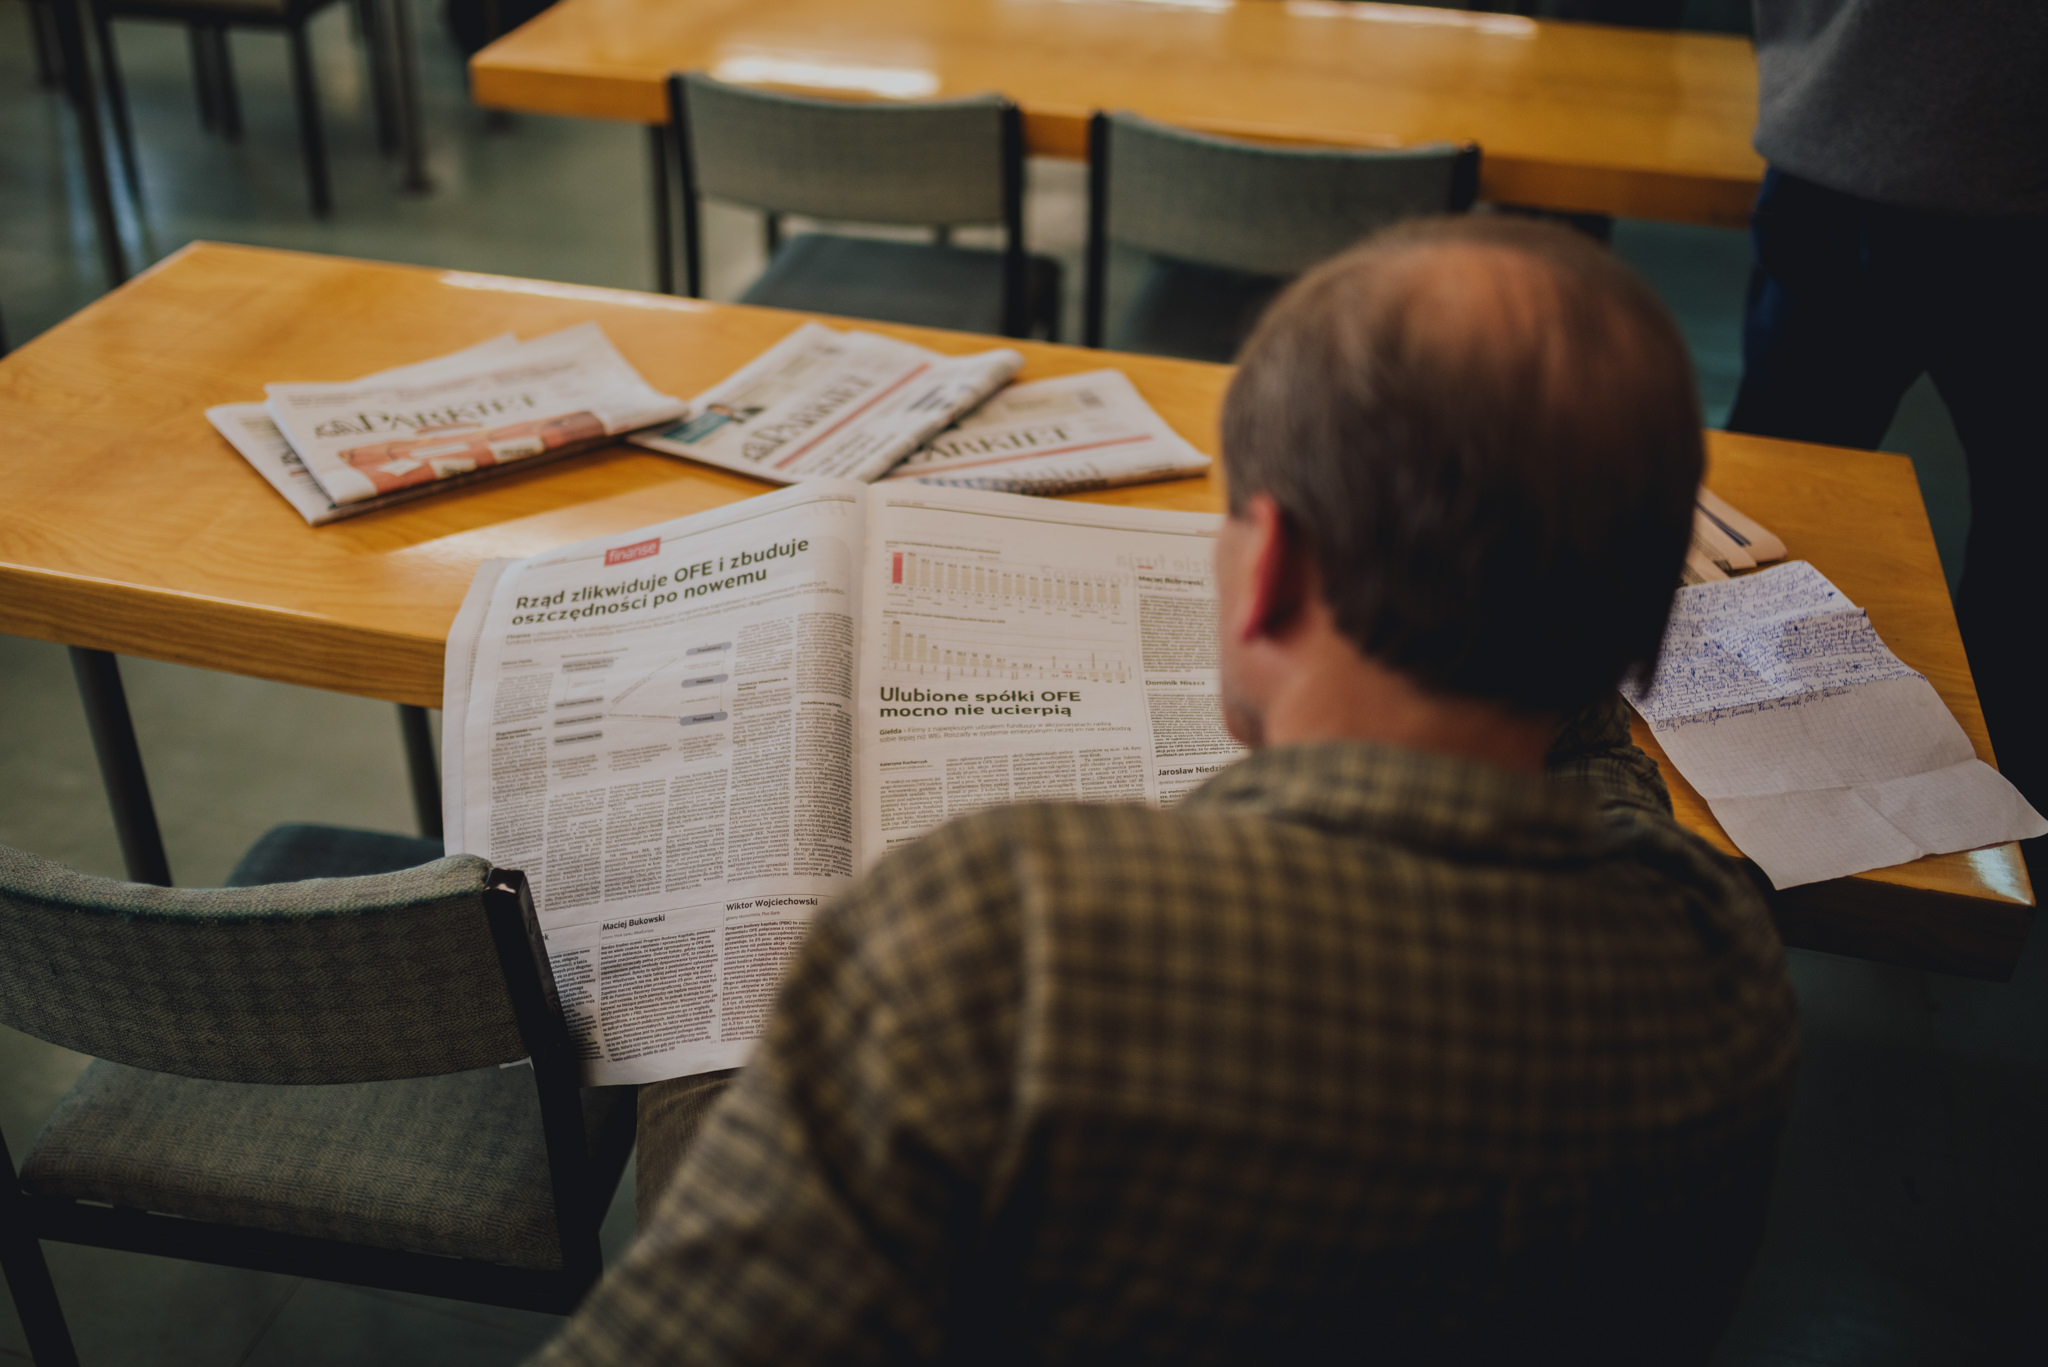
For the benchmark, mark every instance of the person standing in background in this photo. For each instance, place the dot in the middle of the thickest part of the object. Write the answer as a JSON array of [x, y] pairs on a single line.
[[1902, 230]]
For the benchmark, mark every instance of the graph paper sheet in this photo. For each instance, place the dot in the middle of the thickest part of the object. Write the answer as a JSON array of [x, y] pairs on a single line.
[[1820, 752]]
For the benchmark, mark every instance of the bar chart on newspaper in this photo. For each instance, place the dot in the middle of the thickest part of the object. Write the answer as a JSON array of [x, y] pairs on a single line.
[[988, 617], [994, 651]]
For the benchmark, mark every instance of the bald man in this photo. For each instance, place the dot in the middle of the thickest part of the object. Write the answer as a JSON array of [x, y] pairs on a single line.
[[1421, 1034]]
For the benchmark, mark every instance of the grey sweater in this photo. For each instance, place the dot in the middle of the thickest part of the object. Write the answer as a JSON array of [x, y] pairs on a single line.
[[1928, 104]]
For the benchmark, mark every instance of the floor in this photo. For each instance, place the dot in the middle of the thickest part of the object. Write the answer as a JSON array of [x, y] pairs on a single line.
[[1911, 1219]]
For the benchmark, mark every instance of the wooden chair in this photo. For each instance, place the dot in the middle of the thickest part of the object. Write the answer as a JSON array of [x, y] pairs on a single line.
[[304, 1077], [934, 163], [1225, 224]]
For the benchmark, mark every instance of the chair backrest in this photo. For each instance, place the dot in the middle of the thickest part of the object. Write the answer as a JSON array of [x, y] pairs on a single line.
[[328, 980], [928, 162], [1252, 207]]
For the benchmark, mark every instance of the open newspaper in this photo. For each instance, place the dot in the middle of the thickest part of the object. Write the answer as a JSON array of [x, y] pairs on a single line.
[[692, 735], [488, 406], [1056, 436], [822, 404]]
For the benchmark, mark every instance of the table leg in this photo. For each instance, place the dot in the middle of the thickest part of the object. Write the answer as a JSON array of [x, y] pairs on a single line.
[[49, 65], [396, 32], [377, 56], [202, 73], [228, 104], [113, 740], [421, 768], [92, 151], [664, 231]]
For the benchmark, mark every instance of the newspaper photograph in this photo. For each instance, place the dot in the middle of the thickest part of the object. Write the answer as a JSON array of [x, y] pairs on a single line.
[[1056, 436], [822, 404], [564, 392]]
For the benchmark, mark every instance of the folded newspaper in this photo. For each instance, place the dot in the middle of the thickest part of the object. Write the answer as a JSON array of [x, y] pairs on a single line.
[[337, 449], [821, 404], [692, 735], [1056, 436]]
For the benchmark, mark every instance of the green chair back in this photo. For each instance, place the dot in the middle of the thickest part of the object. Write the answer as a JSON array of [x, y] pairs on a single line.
[[928, 162], [330, 980], [1248, 207]]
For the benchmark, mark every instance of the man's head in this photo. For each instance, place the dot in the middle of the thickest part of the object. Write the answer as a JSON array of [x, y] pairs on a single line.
[[1469, 446]]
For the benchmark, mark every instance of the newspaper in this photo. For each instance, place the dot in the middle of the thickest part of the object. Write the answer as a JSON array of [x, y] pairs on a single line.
[[691, 736], [1056, 436], [822, 404], [1820, 752], [249, 428], [485, 407]]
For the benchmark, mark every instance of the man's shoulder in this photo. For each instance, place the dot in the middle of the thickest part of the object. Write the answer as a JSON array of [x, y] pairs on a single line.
[[1295, 869], [1072, 845]]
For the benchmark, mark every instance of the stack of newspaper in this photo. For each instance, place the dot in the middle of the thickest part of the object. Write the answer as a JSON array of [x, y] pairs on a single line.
[[819, 404], [337, 449], [855, 405]]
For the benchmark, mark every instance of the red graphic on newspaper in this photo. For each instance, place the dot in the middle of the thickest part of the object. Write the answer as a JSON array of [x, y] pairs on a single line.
[[440, 453], [639, 550]]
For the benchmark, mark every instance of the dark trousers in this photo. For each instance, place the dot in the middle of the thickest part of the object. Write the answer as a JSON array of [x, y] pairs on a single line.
[[1850, 303]]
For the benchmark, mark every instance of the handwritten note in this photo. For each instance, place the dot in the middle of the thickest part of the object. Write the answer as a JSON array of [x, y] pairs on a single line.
[[1820, 752]]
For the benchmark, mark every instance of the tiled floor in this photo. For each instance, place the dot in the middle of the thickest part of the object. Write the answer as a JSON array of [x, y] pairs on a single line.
[[1911, 1221]]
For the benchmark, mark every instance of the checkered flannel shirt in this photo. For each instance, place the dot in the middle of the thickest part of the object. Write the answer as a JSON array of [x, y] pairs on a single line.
[[1357, 1053]]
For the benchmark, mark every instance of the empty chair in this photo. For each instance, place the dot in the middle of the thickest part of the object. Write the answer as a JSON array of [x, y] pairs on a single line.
[[213, 73], [1226, 224], [940, 164], [303, 1077]]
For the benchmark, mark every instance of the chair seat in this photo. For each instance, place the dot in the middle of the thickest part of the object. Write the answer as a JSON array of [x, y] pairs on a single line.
[[1198, 313], [920, 283], [449, 1165], [285, 854]]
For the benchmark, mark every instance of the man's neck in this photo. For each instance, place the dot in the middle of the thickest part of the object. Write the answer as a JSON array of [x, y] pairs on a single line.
[[1334, 693]]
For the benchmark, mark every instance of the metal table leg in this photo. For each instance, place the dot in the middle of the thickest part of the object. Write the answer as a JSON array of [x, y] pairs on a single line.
[[421, 768], [396, 33], [383, 92], [113, 739], [664, 232], [78, 83], [43, 34]]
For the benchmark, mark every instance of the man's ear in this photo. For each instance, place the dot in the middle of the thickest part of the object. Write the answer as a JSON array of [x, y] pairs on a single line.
[[1276, 571]]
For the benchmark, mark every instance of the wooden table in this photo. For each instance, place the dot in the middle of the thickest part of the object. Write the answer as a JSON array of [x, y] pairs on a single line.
[[1572, 116], [130, 526], [1582, 117]]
